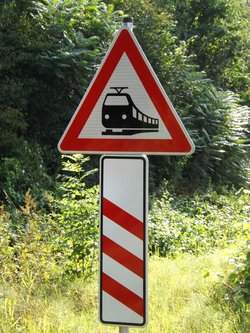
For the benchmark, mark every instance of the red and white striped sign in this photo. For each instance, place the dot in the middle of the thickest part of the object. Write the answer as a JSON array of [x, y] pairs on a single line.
[[123, 240]]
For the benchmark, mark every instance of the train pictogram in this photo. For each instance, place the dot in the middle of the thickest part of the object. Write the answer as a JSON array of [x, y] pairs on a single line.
[[120, 116]]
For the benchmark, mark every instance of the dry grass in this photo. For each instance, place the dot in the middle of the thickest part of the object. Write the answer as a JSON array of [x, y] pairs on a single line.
[[181, 300]]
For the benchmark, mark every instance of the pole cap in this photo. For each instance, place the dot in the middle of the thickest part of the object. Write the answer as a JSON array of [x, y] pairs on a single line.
[[127, 22]]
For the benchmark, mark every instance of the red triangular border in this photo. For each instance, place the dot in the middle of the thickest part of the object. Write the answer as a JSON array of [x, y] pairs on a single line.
[[180, 142]]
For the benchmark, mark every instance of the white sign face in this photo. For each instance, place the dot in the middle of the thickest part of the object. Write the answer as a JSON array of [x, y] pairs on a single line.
[[132, 88], [123, 240]]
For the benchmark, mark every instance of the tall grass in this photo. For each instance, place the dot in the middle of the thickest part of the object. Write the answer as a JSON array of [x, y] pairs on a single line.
[[182, 298], [42, 253]]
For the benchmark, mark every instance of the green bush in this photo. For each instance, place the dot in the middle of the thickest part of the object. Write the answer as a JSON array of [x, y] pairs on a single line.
[[233, 288], [26, 252], [75, 218], [197, 223], [39, 246], [25, 171], [44, 245], [238, 283]]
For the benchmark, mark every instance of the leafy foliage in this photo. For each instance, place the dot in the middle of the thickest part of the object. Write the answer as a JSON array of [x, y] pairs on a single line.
[[215, 119], [26, 251], [44, 245], [67, 234], [50, 51], [233, 288], [197, 224], [217, 33], [48, 57], [238, 284], [75, 219], [26, 171]]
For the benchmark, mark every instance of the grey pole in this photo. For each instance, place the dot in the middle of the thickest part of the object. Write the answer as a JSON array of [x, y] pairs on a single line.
[[127, 22], [123, 329]]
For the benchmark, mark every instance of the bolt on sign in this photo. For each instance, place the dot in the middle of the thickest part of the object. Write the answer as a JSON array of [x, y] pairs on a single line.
[[123, 240]]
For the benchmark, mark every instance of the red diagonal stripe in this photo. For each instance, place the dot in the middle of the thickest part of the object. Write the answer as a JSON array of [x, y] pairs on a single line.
[[121, 255], [122, 294], [121, 217]]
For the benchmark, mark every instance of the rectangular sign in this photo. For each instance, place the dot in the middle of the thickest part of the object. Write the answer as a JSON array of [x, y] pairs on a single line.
[[123, 240]]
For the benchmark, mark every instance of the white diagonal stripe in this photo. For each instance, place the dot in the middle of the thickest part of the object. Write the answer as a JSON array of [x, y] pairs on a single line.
[[122, 275], [123, 237], [113, 310]]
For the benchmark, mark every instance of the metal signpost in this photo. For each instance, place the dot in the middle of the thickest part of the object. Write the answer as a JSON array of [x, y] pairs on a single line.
[[125, 112], [123, 330]]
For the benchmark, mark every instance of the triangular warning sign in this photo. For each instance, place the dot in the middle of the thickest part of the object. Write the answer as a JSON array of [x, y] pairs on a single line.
[[125, 109]]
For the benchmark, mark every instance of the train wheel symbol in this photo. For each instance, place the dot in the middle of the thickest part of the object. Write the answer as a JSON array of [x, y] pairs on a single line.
[[120, 116]]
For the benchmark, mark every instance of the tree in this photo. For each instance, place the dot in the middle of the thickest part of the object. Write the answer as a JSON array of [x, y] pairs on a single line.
[[49, 53], [217, 33], [208, 113], [50, 50]]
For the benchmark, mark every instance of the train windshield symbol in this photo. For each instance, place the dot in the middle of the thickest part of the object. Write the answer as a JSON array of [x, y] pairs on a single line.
[[120, 116]]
